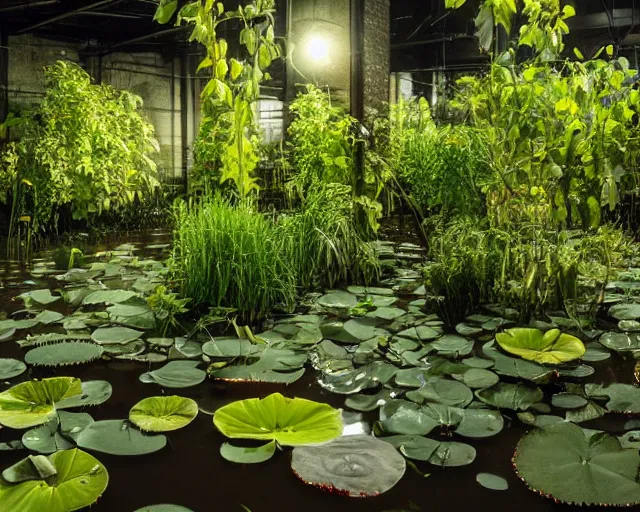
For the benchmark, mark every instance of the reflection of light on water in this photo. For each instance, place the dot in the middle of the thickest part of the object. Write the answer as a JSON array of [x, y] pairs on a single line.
[[353, 424]]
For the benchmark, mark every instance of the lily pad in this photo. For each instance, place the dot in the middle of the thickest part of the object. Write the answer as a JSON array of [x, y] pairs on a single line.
[[518, 368], [176, 374], [621, 397], [338, 300], [480, 423], [273, 365], [510, 396], [119, 437], [63, 354], [551, 347], [46, 438], [130, 315], [620, 341], [625, 311], [108, 297], [115, 335], [452, 345], [34, 402], [561, 462], [568, 401], [163, 413], [368, 403], [94, 392], [164, 508], [388, 313], [289, 421], [357, 466], [478, 378], [38, 297], [243, 455], [79, 481], [492, 482], [10, 368], [434, 452], [443, 391], [48, 317]]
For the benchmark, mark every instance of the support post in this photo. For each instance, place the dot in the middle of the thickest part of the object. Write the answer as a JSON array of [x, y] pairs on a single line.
[[357, 86], [4, 79], [184, 119]]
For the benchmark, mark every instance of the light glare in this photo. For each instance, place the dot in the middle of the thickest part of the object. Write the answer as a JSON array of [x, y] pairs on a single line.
[[318, 49]]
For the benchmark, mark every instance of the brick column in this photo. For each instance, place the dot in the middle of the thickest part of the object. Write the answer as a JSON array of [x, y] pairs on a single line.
[[377, 58]]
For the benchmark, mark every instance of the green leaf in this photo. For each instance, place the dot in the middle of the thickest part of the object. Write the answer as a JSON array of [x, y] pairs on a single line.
[[176, 374], [164, 508], [118, 437], [358, 466], [492, 482], [163, 413], [115, 335], [222, 68], [623, 398], [289, 421], [33, 403], [34, 467], [236, 69], [274, 365], [480, 423], [562, 462], [243, 455], [94, 392], [454, 4], [108, 297], [165, 11], [435, 452], [63, 354], [79, 481], [10, 368], [510, 396], [551, 347]]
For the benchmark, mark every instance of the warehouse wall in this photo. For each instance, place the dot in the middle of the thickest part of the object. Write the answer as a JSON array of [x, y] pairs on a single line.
[[157, 82]]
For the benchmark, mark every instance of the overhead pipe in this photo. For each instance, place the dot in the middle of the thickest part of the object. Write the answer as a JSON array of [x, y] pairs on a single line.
[[28, 5], [102, 3]]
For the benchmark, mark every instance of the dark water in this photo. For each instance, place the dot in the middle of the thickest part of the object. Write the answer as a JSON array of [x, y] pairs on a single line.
[[190, 472]]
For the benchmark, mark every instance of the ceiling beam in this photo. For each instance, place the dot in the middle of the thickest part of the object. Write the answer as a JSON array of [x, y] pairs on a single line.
[[102, 3], [28, 5]]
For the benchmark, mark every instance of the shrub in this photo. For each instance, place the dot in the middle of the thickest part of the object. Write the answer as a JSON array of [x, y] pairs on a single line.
[[231, 257], [84, 145]]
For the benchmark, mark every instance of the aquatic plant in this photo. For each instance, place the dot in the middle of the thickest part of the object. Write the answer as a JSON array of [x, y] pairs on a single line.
[[230, 256], [163, 413], [551, 347], [65, 481]]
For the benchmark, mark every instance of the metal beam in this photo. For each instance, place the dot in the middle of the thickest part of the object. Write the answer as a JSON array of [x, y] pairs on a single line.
[[449, 39], [140, 39], [356, 8], [4, 77], [102, 3], [28, 5], [112, 15]]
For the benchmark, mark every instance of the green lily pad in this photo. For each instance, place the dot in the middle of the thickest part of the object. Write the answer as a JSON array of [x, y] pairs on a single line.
[[34, 467], [452, 345], [468, 330], [164, 508], [176, 374], [10, 368], [492, 482], [629, 325], [47, 317], [357, 466], [163, 413], [115, 335], [63, 354], [551, 347], [620, 341], [568, 401], [79, 481], [38, 297], [625, 311], [46, 438], [356, 380], [338, 300], [480, 423], [184, 348], [621, 397], [273, 365], [94, 392], [422, 333], [289, 421], [388, 313], [518, 368], [595, 353], [478, 362], [118, 437], [403, 417], [510, 396], [478, 378], [630, 440], [434, 452], [442, 391], [368, 403], [108, 297], [561, 462], [129, 315], [243, 455], [34, 402]]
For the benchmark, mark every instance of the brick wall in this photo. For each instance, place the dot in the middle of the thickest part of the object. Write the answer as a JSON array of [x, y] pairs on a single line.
[[377, 52]]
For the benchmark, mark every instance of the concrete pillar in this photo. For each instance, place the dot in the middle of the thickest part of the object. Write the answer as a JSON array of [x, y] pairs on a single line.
[[4, 78], [377, 53]]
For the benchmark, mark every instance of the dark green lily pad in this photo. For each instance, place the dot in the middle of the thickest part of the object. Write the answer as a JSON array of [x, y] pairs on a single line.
[[10, 368], [244, 455], [94, 392], [434, 452], [338, 300], [480, 423], [175, 374], [620, 341], [622, 398], [443, 391], [164, 508], [367, 403], [492, 482], [115, 335], [562, 462], [510, 396], [625, 311], [478, 378], [108, 297], [515, 367], [46, 438], [63, 354], [273, 365], [568, 401], [119, 437]]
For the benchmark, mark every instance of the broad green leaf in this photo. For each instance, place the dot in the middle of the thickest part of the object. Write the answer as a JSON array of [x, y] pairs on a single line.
[[10, 368], [79, 481], [94, 392], [289, 421], [165, 11], [560, 461], [454, 4], [119, 437], [176, 374], [115, 335], [358, 466], [503, 395], [243, 455], [33, 403], [492, 482], [63, 354], [163, 413], [551, 347]]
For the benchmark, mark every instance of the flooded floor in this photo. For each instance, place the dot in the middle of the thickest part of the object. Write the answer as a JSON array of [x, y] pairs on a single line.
[[190, 471]]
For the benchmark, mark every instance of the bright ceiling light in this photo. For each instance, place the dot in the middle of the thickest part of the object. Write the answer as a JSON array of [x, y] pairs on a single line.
[[318, 49]]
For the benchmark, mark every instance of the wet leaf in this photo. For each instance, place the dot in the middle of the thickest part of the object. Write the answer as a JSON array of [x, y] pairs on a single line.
[[63, 354], [176, 374], [242, 455], [119, 437], [510, 396], [163, 413]]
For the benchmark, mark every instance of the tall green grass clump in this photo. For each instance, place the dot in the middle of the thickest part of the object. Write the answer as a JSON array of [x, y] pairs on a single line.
[[323, 242], [229, 256]]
